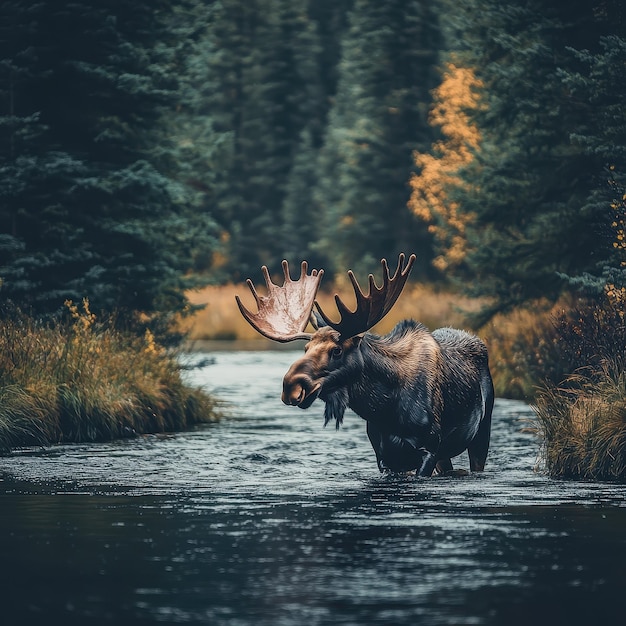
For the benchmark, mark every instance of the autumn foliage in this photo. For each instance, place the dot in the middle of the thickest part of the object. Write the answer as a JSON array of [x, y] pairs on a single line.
[[439, 170]]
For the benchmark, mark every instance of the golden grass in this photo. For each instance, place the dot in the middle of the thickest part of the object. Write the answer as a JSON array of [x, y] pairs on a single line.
[[85, 381], [220, 317], [519, 345], [583, 425]]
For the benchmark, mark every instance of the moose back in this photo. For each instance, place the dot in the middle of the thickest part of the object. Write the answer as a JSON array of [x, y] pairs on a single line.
[[426, 397]]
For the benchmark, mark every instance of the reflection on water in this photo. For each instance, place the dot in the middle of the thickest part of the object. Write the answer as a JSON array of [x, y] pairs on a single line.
[[267, 518]]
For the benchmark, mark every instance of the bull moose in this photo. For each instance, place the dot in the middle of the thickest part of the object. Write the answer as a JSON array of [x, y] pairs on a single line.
[[426, 397]]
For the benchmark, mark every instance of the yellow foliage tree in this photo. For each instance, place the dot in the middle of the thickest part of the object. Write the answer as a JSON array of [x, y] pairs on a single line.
[[454, 99], [616, 294]]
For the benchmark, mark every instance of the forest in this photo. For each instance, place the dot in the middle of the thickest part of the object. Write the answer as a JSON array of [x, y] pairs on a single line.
[[148, 148]]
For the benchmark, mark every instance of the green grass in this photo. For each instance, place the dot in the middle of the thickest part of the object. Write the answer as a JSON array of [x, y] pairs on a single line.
[[83, 380]]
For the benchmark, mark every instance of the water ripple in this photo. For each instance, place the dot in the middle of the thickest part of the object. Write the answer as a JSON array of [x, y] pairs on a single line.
[[269, 518]]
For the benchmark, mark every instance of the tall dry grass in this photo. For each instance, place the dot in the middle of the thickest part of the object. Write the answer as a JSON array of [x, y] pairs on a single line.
[[582, 417], [524, 349], [582, 424], [83, 380], [220, 317]]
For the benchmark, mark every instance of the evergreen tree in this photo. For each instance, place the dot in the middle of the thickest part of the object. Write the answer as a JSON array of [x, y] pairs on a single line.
[[526, 190], [379, 117], [266, 87], [331, 18], [193, 145], [302, 216], [86, 209], [302, 213], [598, 89]]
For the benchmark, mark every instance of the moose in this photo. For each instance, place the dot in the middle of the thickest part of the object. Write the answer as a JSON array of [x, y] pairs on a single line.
[[426, 396]]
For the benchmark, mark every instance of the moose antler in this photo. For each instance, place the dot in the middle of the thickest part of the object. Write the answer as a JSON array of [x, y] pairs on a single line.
[[284, 313], [372, 308]]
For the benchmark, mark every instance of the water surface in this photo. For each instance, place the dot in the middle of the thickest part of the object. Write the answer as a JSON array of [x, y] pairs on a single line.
[[268, 518]]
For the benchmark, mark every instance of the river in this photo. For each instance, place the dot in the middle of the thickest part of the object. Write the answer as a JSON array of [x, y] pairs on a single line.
[[267, 518]]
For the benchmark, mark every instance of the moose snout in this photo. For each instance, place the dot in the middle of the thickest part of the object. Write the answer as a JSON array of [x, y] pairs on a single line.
[[299, 390], [293, 394]]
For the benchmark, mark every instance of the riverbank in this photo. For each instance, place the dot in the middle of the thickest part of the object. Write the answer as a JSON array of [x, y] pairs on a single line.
[[84, 381]]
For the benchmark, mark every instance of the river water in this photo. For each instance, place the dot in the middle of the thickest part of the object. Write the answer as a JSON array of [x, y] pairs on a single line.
[[267, 518]]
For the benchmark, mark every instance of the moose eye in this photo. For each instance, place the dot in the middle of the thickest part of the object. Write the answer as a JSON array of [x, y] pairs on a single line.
[[336, 352]]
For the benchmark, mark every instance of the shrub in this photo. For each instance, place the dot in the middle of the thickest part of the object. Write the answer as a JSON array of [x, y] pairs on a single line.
[[544, 345], [582, 418]]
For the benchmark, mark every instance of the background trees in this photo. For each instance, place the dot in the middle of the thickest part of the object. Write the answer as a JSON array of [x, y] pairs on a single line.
[[598, 88], [534, 197], [378, 118], [268, 101], [145, 144], [88, 199]]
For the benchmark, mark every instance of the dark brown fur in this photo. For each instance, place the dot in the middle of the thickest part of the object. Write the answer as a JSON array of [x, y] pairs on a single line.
[[426, 397]]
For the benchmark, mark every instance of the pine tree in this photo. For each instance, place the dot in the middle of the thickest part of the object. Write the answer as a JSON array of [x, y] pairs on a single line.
[[266, 85], [598, 89], [526, 188], [193, 146], [302, 215], [378, 119], [86, 207]]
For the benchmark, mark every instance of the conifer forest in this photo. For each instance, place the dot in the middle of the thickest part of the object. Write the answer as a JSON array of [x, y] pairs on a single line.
[[156, 151], [148, 146]]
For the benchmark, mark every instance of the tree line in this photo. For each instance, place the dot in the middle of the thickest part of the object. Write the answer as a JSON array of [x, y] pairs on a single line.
[[150, 145]]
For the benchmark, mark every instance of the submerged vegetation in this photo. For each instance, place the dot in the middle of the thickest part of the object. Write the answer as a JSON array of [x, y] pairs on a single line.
[[82, 380]]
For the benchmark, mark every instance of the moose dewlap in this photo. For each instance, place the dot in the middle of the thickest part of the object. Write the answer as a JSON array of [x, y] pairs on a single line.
[[426, 397]]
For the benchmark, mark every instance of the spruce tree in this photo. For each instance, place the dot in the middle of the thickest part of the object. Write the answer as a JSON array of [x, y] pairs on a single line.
[[525, 192], [266, 90], [598, 88], [379, 117], [193, 146], [302, 214], [87, 209], [302, 218]]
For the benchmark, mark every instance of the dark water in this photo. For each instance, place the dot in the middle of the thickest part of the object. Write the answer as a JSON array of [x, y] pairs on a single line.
[[269, 519]]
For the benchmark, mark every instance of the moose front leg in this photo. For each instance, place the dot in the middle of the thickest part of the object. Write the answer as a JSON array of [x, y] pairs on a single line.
[[429, 461], [376, 439], [399, 454]]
